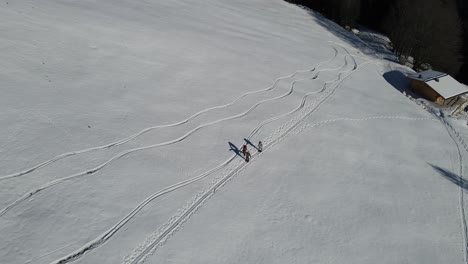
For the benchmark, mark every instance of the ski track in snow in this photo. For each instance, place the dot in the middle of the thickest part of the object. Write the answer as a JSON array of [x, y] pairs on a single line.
[[159, 238], [170, 142], [321, 123], [47, 254], [127, 139], [156, 239], [229, 169], [457, 139], [110, 232], [455, 136]]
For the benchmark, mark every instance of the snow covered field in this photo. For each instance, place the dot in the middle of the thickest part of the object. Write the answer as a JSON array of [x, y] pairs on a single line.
[[117, 115]]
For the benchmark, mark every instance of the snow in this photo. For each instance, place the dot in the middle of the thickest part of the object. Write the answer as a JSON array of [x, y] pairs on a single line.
[[447, 86], [116, 118], [426, 76]]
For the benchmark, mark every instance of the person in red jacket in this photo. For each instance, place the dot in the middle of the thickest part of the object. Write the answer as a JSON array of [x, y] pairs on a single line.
[[244, 149]]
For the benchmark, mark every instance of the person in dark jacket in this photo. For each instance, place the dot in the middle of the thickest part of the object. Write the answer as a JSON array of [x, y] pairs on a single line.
[[247, 156], [260, 146]]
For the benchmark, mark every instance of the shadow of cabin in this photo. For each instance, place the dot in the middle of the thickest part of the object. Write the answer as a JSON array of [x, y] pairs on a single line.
[[438, 87]]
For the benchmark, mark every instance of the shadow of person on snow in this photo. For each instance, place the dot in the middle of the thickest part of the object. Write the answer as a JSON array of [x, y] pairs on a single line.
[[251, 144], [236, 150]]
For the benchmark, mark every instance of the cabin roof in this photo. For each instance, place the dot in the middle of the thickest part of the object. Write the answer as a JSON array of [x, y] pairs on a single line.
[[426, 76], [442, 83]]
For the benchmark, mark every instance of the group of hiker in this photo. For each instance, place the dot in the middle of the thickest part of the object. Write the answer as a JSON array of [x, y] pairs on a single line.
[[246, 152]]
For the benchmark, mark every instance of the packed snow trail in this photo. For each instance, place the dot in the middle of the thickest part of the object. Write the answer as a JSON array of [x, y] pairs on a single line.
[[127, 139], [114, 229], [109, 233], [140, 253], [170, 142]]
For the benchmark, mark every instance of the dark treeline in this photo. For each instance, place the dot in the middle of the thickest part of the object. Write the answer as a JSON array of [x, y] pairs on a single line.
[[431, 31], [463, 7]]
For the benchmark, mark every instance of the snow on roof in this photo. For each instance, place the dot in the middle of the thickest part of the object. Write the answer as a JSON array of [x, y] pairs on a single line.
[[426, 76], [442, 83], [447, 86]]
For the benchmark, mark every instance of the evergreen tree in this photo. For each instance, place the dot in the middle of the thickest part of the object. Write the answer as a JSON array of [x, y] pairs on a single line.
[[428, 30], [431, 31]]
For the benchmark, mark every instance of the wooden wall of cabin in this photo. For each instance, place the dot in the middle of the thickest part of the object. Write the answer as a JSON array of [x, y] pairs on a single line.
[[424, 90]]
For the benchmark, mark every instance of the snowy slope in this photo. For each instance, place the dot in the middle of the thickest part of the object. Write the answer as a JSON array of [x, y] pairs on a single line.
[[116, 118]]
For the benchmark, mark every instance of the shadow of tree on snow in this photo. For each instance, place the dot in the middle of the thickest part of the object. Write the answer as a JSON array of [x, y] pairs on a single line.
[[454, 178]]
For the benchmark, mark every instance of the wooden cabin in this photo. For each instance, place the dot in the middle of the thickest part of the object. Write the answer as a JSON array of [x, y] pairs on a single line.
[[437, 87]]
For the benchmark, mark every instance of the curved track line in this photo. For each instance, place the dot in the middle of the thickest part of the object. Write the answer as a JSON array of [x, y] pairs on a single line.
[[110, 232], [331, 121], [179, 220], [302, 102], [174, 141], [127, 139]]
